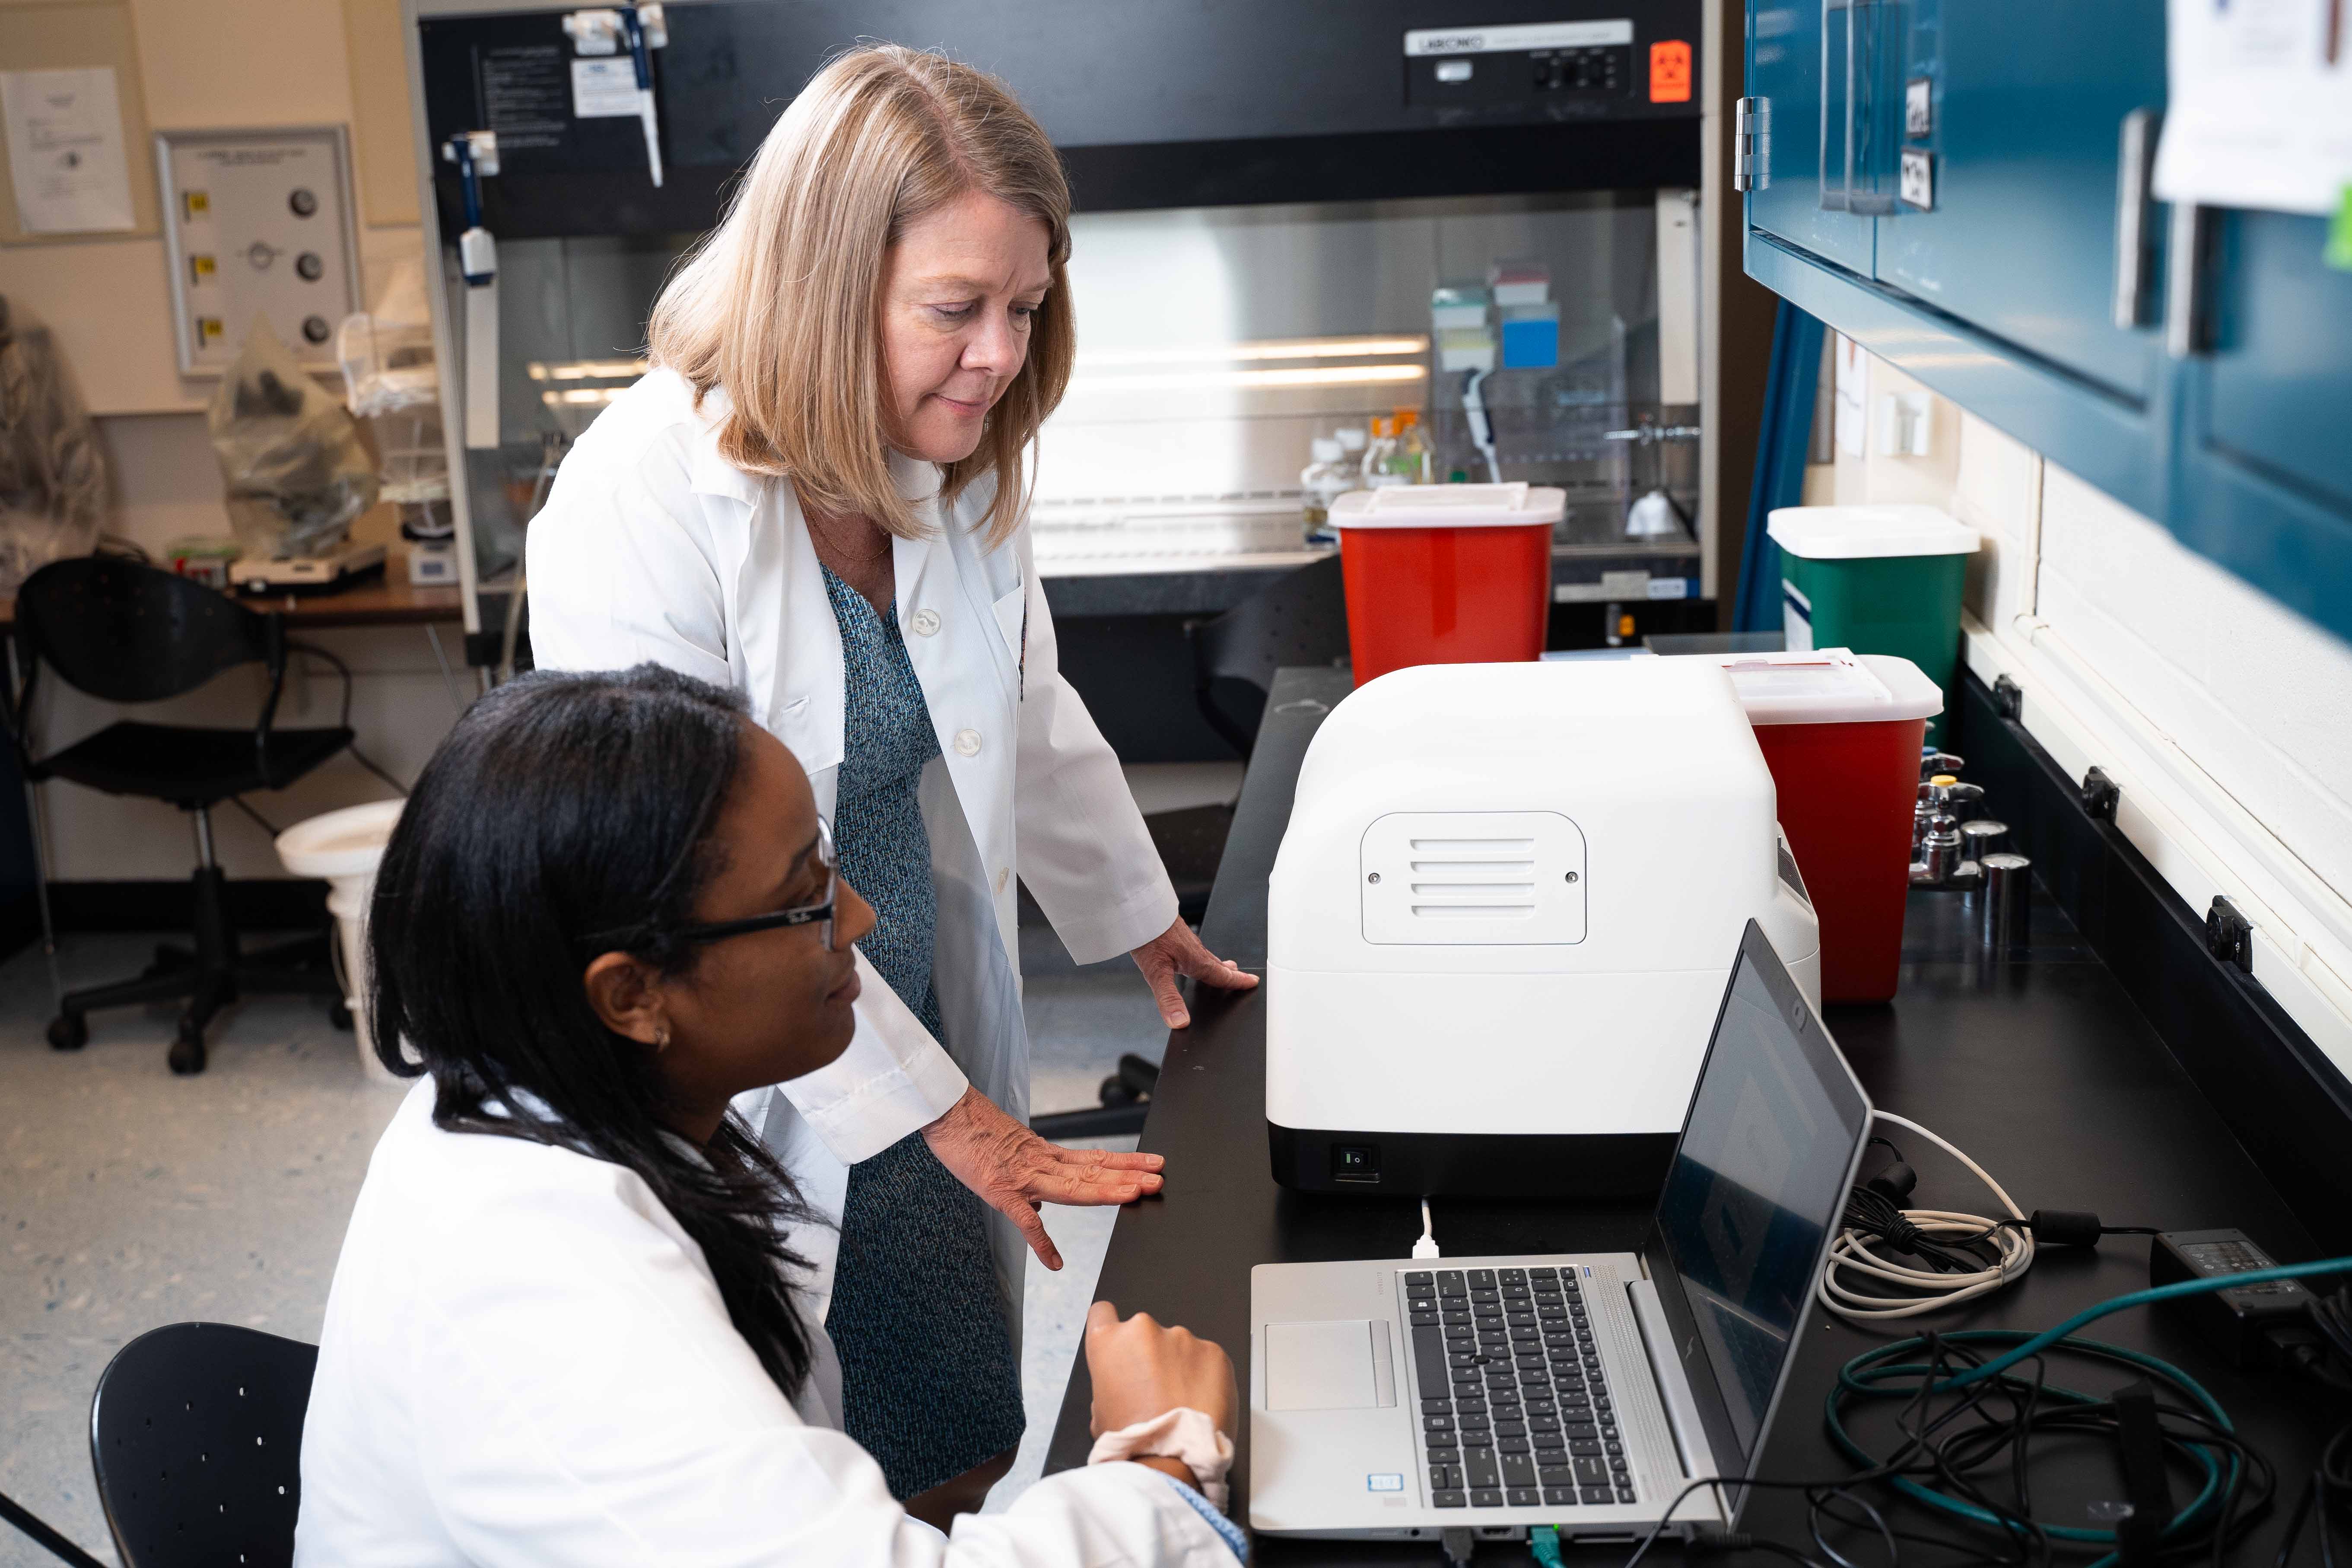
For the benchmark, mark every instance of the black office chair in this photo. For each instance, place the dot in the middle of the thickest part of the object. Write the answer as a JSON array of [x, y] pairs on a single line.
[[1300, 618], [195, 1435], [125, 632]]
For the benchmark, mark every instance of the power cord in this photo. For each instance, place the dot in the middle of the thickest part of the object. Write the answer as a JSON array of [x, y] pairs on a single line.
[[1936, 1257], [1959, 1256], [2326, 1496]]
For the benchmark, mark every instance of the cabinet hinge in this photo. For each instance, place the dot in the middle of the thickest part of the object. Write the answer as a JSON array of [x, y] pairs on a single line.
[[1751, 144]]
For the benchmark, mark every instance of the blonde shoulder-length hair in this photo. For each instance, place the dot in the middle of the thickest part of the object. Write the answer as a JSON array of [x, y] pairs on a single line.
[[780, 306]]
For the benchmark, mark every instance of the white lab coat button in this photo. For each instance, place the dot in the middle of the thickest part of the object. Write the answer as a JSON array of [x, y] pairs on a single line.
[[966, 743], [927, 625]]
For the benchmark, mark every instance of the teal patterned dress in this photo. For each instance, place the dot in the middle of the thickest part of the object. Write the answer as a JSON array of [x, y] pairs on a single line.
[[931, 1386]]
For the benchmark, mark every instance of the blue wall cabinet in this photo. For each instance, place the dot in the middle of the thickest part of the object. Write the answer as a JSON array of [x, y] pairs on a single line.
[[2020, 143], [2198, 367], [2264, 435], [1797, 60]]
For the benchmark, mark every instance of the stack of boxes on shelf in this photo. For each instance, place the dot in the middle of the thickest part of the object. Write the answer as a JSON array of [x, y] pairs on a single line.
[[1517, 297]]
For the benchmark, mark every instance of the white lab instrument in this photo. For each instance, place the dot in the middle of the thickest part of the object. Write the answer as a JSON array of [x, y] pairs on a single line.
[[299, 574], [1500, 920]]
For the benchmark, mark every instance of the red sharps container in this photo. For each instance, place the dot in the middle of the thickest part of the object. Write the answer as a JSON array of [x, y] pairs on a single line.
[[1446, 573], [1841, 732]]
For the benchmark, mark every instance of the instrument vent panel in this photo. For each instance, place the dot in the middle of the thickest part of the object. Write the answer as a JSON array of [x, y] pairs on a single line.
[[1473, 878]]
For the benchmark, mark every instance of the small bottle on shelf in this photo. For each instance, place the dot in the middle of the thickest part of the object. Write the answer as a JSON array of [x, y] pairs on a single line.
[[1328, 477], [1411, 461], [1377, 453]]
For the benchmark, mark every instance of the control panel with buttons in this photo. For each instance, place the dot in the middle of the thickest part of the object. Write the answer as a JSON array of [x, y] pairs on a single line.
[[1557, 70]]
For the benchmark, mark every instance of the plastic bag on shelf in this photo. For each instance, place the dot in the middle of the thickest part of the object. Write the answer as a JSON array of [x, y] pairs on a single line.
[[390, 383], [296, 471], [53, 490]]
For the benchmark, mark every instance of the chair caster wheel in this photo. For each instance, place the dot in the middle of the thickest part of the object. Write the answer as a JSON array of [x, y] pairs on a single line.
[[339, 1015], [69, 1032], [187, 1058]]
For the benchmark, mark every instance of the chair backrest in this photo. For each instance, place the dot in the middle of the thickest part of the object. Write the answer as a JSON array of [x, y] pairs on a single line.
[[196, 1435], [127, 632]]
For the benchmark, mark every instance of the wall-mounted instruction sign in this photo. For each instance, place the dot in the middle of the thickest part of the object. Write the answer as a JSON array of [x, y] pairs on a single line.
[[65, 160], [2260, 104], [257, 224]]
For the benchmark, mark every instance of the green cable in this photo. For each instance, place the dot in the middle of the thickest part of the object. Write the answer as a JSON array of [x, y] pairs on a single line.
[[2001, 1363], [1543, 1541], [2220, 1480]]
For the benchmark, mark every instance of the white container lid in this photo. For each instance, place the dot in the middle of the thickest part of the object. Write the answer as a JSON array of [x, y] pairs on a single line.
[[346, 843], [1857, 533], [1514, 505], [1830, 686]]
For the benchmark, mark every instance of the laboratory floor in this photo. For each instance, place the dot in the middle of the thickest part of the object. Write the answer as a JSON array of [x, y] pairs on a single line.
[[129, 1199]]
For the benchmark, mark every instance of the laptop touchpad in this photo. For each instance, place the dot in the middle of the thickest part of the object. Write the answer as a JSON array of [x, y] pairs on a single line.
[[1328, 1366]]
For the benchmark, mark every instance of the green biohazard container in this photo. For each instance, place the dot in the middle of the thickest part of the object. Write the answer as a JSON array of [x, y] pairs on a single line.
[[1876, 579]]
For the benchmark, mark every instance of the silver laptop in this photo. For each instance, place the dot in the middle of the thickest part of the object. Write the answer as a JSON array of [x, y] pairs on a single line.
[[1401, 1399]]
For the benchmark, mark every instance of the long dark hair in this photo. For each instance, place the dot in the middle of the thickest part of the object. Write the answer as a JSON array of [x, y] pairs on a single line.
[[563, 804]]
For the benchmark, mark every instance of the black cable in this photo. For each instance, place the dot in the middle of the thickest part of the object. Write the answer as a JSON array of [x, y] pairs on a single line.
[[365, 762], [265, 824], [2328, 1496], [1991, 1425]]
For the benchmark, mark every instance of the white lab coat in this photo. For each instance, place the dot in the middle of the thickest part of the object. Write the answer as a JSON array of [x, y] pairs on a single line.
[[527, 1364], [652, 546]]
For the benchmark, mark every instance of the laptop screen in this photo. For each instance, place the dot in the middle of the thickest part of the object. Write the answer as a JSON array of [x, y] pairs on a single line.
[[1756, 1181]]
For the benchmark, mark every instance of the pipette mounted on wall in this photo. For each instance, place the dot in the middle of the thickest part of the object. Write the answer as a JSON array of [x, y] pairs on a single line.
[[639, 30], [475, 153]]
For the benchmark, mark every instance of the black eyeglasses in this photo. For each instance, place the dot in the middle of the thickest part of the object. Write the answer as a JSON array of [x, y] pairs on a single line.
[[799, 915]]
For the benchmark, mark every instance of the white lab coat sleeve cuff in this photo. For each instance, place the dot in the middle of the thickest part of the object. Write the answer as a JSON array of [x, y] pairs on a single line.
[[894, 1078], [1115, 1513]]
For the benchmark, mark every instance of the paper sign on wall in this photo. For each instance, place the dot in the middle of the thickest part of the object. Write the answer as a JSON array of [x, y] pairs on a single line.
[[2260, 104], [65, 150]]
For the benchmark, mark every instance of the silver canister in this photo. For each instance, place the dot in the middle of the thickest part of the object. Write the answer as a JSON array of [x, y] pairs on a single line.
[[1982, 838], [2006, 903]]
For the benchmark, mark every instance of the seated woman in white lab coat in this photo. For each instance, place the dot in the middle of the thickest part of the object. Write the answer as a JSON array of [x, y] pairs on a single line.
[[565, 1328]]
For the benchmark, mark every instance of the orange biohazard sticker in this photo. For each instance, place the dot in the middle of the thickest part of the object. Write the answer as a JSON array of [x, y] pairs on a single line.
[[1670, 71]]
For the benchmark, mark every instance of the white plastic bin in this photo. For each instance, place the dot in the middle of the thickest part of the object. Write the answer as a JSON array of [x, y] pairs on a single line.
[[345, 847]]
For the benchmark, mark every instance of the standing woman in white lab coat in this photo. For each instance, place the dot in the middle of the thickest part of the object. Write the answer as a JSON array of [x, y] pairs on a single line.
[[816, 498]]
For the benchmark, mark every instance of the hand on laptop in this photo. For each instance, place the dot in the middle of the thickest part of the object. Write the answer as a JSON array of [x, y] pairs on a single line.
[[1141, 1370]]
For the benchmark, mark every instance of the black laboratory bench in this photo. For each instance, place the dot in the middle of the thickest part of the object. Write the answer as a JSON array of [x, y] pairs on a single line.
[[2111, 1066]]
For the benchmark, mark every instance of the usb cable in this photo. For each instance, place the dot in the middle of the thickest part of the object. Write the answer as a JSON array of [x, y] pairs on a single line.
[[1427, 1246]]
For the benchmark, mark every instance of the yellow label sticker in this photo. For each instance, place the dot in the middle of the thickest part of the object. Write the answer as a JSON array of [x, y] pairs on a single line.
[[201, 268], [195, 204], [208, 332]]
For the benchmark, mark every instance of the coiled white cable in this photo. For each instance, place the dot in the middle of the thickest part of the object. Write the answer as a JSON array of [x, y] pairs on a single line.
[[1927, 1290]]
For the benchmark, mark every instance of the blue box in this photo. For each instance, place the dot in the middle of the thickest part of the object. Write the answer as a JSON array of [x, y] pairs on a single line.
[[1531, 342]]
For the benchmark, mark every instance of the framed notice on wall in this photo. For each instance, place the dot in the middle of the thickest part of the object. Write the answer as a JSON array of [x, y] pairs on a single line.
[[259, 226]]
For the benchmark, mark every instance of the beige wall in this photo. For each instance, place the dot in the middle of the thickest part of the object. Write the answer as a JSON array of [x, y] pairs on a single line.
[[2222, 710], [226, 63]]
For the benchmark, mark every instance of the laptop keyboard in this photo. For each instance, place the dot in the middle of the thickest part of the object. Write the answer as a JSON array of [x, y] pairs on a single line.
[[1514, 1412]]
